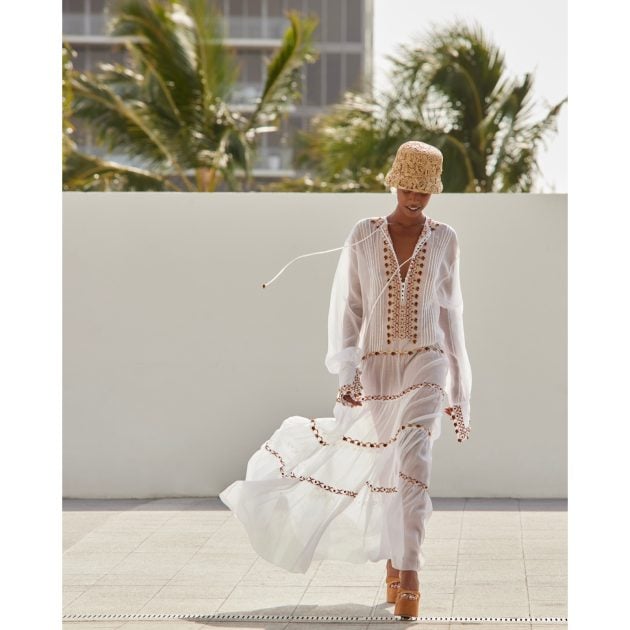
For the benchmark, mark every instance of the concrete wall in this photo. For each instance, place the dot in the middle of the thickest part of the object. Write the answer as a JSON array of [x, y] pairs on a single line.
[[178, 365]]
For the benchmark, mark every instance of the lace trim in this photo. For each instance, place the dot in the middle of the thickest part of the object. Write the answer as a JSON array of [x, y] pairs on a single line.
[[351, 440], [462, 431], [355, 389], [436, 347]]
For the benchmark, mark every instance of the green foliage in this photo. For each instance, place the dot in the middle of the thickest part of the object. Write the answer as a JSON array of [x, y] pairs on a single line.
[[450, 90], [170, 109], [68, 145]]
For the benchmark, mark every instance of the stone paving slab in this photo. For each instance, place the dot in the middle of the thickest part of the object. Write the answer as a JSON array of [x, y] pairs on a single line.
[[484, 558]]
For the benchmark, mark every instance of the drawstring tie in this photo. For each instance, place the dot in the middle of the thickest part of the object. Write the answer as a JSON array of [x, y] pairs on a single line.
[[324, 251], [335, 249]]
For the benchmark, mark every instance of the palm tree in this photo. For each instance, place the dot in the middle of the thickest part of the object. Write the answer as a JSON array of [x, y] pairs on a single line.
[[170, 111], [452, 91], [347, 147]]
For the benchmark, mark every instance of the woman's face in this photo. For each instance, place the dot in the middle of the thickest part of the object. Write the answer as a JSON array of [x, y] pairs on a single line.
[[411, 202]]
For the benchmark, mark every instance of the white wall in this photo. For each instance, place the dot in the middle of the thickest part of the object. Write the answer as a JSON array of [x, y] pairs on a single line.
[[178, 365]]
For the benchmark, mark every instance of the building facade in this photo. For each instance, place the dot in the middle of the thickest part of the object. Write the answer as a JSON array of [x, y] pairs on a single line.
[[254, 28]]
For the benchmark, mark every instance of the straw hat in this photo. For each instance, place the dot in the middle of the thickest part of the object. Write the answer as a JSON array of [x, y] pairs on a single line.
[[417, 166]]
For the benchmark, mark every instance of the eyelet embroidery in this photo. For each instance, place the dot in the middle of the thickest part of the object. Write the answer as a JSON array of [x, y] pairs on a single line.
[[351, 440], [380, 488], [318, 435], [394, 438], [462, 431], [318, 482], [402, 312], [435, 347], [405, 391], [414, 481]]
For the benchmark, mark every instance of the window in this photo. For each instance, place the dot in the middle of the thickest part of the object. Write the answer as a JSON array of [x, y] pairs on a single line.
[[73, 17], [354, 21], [314, 7], [334, 10], [97, 18], [333, 77], [235, 7], [236, 25], [253, 20], [314, 82], [252, 65], [354, 78], [274, 8], [276, 22]]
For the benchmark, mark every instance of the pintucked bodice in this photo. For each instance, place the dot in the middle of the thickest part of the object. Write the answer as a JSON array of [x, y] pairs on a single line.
[[399, 314]]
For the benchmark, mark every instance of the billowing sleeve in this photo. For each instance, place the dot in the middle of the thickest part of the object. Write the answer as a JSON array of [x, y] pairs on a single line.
[[451, 321], [345, 318]]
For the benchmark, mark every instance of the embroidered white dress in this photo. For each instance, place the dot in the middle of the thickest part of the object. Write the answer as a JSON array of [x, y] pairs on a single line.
[[355, 486]]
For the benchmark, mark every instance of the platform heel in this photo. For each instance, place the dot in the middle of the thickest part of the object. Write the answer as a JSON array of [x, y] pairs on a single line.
[[393, 586], [407, 604]]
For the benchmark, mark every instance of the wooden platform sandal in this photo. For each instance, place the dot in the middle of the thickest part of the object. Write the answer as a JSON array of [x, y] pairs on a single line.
[[407, 604], [393, 585]]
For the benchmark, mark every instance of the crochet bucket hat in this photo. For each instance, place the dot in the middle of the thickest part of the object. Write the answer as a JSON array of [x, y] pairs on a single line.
[[417, 166]]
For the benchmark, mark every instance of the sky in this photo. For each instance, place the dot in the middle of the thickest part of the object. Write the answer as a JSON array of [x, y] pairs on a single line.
[[533, 36]]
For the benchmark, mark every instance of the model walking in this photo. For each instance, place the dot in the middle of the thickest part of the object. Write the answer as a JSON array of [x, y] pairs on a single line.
[[355, 487]]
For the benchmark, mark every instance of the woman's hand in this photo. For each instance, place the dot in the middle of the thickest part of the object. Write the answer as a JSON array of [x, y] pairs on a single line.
[[350, 401], [350, 394]]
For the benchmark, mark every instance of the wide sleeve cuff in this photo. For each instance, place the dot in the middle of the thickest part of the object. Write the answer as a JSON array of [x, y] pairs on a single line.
[[460, 414], [353, 387], [338, 362]]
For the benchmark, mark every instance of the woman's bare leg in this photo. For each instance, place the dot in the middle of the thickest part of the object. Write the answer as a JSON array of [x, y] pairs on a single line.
[[409, 580]]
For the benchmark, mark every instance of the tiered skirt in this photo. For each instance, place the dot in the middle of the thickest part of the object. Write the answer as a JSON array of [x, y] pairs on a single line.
[[355, 486]]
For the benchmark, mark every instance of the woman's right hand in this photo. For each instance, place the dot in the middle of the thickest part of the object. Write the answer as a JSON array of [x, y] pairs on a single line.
[[350, 401]]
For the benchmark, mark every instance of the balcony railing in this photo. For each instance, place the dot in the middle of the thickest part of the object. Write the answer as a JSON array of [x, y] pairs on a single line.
[[234, 26], [237, 26]]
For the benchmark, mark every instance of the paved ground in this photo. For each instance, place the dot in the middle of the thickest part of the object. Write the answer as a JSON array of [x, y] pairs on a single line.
[[485, 558]]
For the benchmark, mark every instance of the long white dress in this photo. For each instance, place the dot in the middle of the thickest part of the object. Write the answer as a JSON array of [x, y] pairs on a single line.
[[355, 487]]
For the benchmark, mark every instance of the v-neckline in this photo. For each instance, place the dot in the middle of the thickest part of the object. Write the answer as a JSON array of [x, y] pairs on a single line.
[[415, 249]]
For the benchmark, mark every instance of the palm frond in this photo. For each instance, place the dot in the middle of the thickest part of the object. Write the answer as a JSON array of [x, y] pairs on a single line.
[[217, 64], [163, 42], [120, 121], [169, 108], [88, 173], [283, 80], [515, 171], [450, 89]]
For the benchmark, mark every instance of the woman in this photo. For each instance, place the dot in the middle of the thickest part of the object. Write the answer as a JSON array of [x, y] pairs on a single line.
[[355, 487]]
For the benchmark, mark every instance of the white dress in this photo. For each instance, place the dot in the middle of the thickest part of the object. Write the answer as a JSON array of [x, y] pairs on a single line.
[[355, 486]]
